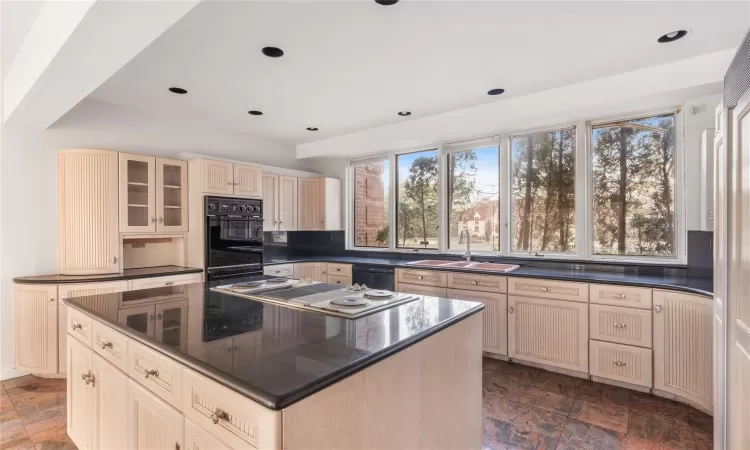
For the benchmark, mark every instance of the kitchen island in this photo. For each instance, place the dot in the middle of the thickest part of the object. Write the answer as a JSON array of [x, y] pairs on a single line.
[[202, 369]]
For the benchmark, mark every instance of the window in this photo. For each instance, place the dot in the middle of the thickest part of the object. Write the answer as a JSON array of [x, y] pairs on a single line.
[[633, 187], [417, 200], [543, 192], [473, 178], [371, 182]]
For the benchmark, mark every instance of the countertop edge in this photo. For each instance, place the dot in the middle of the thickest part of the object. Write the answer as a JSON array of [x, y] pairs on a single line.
[[113, 277], [568, 277], [271, 401]]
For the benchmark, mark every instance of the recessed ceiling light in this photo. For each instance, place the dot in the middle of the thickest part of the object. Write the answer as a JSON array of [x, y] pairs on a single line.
[[312, 129], [404, 113], [255, 113], [177, 90], [273, 52], [673, 36], [495, 91], [386, 2]]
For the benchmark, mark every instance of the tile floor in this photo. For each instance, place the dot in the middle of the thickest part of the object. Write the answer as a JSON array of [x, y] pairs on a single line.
[[524, 408]]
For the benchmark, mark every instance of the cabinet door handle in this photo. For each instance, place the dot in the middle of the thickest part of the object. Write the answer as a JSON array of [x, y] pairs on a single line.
[[161, 219], [77, 326], [620, 296], [151, 372], [420, 277], [106, 344], [153, 220], [230, 183], [475, 282], [115, 259], [236, 183], [544, 289], [657, 308], [219, 415], [85, 375], [510, 309], [52, 300], [169, 283], [160, 316], [620, 364]]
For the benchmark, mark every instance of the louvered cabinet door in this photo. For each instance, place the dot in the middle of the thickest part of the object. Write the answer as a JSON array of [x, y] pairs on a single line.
[[270, 184], [683, 336], [550, 332], [152, 424], [217, 177], [35, 328], [247, 180], [495, 317], [287, 204], [88, 228]]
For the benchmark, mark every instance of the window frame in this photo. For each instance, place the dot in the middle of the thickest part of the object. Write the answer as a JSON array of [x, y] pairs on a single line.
[[350, 207], [583, 193]]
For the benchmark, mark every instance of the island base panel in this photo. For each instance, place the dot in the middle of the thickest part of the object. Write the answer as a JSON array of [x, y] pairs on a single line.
[[428, 396]]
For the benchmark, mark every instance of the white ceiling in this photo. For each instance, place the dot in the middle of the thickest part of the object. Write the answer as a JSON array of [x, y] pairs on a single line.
[[16, 19], [351, 66]]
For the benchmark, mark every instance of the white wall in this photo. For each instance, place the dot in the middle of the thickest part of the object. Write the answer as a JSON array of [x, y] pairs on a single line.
[[28, 183]]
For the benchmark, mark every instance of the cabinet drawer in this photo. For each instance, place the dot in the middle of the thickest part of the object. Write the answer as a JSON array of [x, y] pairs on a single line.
[[556, 290], [156, 372], [634, 297], [280, 270], [622, 325], [421, 290], [338, 279], [484, 283], [171, 280], [340, 269], [423, 277], [621, 362], [228, 416], [79, 325], [111, 345]]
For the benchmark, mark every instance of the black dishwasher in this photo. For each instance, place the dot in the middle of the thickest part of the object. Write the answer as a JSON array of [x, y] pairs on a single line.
[[374, 277]]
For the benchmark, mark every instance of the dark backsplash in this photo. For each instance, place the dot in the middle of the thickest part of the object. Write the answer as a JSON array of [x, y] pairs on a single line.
[[283, 245]]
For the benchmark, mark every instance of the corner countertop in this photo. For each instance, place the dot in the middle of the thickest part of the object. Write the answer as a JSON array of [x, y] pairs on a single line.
[[280, 354], [127, 274], [692, 285]]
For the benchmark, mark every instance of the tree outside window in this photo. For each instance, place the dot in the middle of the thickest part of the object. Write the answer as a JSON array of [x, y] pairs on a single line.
[[417, 200]]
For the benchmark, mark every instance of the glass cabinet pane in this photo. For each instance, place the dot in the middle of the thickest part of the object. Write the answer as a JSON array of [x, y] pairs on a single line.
[[172, 326], [173, 189], [138, 193], [138, 322]]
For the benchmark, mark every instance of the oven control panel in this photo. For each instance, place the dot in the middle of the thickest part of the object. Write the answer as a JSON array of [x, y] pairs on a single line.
[[222, 206]]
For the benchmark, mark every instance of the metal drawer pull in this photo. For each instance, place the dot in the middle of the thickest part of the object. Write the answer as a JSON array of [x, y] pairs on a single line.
[[338, 270], [219, 415], [169, 283], [77, 326], [620, 296], [544, 289], [475, 282], [619, 325], [106, 344], [151, 372], [510, 309], [420, 277], [85, 375], [620, 364], [657, 308]]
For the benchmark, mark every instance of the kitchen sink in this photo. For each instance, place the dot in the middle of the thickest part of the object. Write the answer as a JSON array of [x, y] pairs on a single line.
[[473, 265]]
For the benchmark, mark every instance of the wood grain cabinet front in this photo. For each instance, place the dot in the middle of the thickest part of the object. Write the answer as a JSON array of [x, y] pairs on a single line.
[[552, 289], [110, 345], [196, 438], [623, 363], [159, 374], [422, 277], [629, 326], [313, 271], [279, 270], [617, 295], [110, 387], [247, 180], [340, 270], [35, 323], [152, 424], [342, 280], [474, 282], [495, 318], [80, 395], [417, 289]]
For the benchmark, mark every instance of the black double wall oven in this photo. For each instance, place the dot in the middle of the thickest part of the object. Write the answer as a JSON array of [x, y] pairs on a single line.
[[234, 237]]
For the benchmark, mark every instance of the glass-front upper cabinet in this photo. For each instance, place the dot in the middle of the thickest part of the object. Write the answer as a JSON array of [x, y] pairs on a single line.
[[171, 324], [171, 195], [153, 194]]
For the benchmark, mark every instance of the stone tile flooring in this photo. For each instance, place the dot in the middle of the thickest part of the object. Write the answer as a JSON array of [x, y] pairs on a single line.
[[524, 408], [528, 408]]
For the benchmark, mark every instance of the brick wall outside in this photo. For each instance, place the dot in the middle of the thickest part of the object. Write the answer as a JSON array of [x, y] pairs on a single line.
[[369, 204]]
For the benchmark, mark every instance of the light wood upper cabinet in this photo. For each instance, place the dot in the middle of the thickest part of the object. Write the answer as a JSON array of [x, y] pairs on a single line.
[[171, 195], [683, 334], [80, 395], [88, 235], [35, 328], [319, 204], [247, 180], [110, 396], [549, 332], [495, 317], [217, 177], [287, 204], [171, 324], [137, 196], [152, 424], [270, 187]]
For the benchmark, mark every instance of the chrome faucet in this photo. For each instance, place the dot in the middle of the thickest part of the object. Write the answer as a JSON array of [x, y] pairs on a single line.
[[467, 255]]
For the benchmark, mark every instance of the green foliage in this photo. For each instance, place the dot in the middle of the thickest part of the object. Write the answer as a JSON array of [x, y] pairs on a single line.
[[417, 207]]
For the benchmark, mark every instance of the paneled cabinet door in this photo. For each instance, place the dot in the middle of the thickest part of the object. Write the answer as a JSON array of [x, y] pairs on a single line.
[[171, 195], [550, 332], [198, 439], [311, 203], [270, 188], [683, 334], [110, 395], [152, 424], [139, 318], [35, 328], [80, 395], [247, 180], [287, 204], [495, 319], [217, 177], [137, 196], [171, 324], [87, 205], [314, 271]]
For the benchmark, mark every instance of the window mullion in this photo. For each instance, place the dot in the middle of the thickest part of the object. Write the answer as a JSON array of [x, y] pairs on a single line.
[[583, 205]]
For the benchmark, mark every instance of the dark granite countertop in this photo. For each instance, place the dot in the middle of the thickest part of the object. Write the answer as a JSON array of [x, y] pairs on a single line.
[[127, 274], [272, 354], [693, 285]]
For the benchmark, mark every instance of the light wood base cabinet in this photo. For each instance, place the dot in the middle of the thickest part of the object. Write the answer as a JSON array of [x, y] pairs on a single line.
[[152, 424], [313, 271], [495, 318], [549, 332], [35, 328]]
